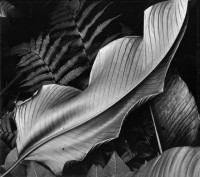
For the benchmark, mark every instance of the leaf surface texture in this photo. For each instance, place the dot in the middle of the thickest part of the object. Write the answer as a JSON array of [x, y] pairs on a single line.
[[61, 123]]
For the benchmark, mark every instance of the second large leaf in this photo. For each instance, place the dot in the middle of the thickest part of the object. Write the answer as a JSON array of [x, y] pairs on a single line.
[[61, 123]]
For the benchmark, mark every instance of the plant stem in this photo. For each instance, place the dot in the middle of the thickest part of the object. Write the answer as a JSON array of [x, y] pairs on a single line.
[[10, 84], [157, 136], [11, 168]]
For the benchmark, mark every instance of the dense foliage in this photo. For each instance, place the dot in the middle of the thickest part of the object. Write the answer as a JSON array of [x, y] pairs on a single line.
[[90, 93]]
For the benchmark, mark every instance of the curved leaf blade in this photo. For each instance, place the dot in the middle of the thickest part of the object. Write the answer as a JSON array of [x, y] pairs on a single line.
[[126, 73], [176, 114], [177, 162], [36, 170]]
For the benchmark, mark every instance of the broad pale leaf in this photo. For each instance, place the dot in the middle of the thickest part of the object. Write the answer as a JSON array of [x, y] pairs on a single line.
[[95, 171], [12, 156], [36, 170], [176, 114], [176, 162], [20, 170], [115, 166], [60, 123]]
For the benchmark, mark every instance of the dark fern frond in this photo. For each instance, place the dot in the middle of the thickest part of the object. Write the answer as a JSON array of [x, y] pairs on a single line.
[[35, 73], [86, 12], [67, 51], [73, 74], [78, 26], [20, 50], [39, 78], [46, 62], [127, 156]]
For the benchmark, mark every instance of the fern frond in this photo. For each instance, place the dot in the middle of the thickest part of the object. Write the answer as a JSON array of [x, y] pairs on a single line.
[[39, 79], [98, 30], [59, 57], [37, 63], [66, 24], [70, 33], [5, 8], [52, 50], [32, 44], [82, 3], [79, 25], [33, 88], [19, 50], [44, 45], [39, 71], [63, 55], [93, 53], [62, 18], [85, 30], [59, 16], [68, 65], [45, 63], [127, 156], [73, 74], [86, 13], [26, 57], [28, 61], [38, 43]]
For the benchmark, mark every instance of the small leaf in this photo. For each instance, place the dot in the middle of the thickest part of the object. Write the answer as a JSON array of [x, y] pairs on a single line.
[[115, 166], [12, 156], [36, 170], [95, 171], [19, 171]]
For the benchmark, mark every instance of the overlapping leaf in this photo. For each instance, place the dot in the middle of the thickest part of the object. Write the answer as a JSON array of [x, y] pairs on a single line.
[[36, 170], [72, 17], [61, 123], [20, 170], [68, 57], [114, 166], [176, 114], [177, 162]]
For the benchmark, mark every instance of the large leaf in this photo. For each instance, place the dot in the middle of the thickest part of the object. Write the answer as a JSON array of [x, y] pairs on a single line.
[[176, 114], [60, 123], [36, 170], [20, 170], [176, 162]]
